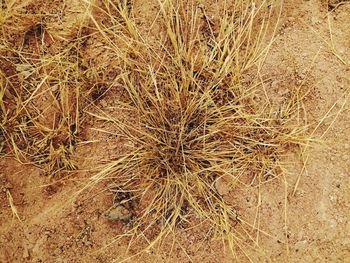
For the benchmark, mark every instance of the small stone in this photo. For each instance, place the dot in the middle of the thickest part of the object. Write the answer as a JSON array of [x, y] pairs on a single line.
[[24, 71], [118, 213], [221, 186]]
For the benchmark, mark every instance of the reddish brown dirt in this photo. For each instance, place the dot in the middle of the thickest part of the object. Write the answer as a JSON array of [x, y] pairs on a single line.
[[312, 48]]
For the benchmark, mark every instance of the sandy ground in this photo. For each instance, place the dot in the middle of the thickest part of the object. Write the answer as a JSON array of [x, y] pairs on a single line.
[[312, 48]]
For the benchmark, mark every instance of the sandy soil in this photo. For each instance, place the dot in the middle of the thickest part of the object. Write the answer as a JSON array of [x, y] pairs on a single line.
[[312, 48]]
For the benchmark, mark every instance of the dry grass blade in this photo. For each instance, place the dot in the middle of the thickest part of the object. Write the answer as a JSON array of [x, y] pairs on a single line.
[[12, 205]]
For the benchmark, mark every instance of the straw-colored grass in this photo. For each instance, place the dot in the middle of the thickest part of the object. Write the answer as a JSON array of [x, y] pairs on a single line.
[[194, 109], [42, 124], [40, 91], [198, 123]]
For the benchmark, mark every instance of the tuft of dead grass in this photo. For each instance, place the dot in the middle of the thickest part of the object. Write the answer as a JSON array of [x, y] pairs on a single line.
[[43, 89], [195, 115]]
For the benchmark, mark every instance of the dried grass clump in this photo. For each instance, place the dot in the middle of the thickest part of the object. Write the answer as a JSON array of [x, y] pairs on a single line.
[[41, 109], [42, 89], [195, 117], [194, 110]]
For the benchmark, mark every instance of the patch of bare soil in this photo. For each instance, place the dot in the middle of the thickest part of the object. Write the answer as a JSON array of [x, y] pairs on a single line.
[[310, 224]]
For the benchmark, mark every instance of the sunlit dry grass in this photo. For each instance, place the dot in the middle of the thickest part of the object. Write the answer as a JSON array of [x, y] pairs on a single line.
[[193, 109], [42, 90], [196, 116]]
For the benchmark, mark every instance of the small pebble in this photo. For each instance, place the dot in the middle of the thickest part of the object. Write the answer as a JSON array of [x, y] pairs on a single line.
[[118, 213], [221, 186]]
